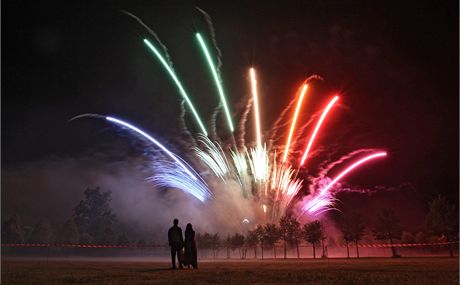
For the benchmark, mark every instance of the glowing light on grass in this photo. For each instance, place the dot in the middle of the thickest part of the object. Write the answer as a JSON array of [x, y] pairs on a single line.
[[294, 120], [216, 79], [147, 136], [256, 105], [179, 85], [318, 125]]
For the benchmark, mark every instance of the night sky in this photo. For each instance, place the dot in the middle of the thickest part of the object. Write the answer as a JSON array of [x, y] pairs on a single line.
[[395, 63]]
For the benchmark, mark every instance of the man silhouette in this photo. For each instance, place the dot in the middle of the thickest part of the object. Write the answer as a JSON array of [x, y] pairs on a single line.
[[176, 242]]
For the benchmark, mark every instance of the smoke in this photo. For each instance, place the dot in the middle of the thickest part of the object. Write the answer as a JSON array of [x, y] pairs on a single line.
[[212, 122], [242, 124], [190, 140], [51, 188], [212, 30], [152, 33]]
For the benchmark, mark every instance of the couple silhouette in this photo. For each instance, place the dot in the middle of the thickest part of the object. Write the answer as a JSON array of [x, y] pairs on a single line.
[[188, 257]]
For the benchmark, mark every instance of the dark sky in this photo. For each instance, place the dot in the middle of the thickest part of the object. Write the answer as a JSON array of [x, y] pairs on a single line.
[[394, 62]]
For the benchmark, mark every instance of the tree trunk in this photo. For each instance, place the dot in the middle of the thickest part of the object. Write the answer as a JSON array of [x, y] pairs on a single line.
[[297, 245], [357, 249], [314, 251], [324, 251], [274, 251], [228, 253], [393, 249], [449, 246], [255, 252], [348, 250], [262, 251], [285, 254]]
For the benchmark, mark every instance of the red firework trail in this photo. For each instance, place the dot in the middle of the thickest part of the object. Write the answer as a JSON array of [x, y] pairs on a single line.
[[318, 125]]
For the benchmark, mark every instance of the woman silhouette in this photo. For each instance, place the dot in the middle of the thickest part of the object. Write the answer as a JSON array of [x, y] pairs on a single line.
[[190, 256]]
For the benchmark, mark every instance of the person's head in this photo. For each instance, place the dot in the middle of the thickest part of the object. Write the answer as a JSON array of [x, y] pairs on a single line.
[[189, 227], [176, 222]]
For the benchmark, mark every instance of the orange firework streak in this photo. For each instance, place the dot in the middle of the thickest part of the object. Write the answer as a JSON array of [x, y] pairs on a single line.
[[256, 105], [318, 125], [294, 120]]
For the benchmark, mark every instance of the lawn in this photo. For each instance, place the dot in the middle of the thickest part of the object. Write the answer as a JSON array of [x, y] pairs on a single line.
[[291, 271]]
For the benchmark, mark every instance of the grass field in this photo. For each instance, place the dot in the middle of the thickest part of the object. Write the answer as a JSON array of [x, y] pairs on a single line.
[[291, 271]]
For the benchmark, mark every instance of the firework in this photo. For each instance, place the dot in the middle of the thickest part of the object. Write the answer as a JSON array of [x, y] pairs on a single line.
[[178, 83], [213, 157], [294, 120], [256, 106], [318, 125], [263, 178], [147, 136], [325, 198], [216, 79]]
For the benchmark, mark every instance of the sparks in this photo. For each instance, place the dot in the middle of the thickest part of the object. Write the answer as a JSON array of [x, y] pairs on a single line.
[[249, 174], [294, 119], [318, 125], [256, 105], [179, 85], [147, 136], [325, 200], [216, 79], [353, 166]]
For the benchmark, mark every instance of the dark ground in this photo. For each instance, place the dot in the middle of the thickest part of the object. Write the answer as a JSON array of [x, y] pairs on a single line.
[[304, 271]]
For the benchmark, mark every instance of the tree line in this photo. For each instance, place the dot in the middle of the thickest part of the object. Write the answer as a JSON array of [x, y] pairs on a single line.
[[441, 222], [93, 222]]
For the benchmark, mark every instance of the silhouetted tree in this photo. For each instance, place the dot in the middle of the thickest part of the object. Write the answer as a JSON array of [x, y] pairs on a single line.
[[259, 231], [214, 244], [13, 230], [421, 237], [42, 233], [228, 244], [352, 228], [407, 237], [208, 241], [237, 242], [313, 233], [290, 232], [108, 236], [345, 227], [387, 228], [271, 235], [442, 220], [122, 239], [86, 238], [252, 240], [93, 213], [69, 233]]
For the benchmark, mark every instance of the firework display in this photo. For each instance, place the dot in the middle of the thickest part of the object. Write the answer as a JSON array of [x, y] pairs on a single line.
[[268, 174]]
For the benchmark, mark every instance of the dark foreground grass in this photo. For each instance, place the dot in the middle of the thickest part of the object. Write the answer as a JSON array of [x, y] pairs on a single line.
[[306, 271]]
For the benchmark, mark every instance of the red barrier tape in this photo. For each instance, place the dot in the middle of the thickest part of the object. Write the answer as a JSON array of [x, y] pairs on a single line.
[[81, 245], [401, 244], [157, 246]]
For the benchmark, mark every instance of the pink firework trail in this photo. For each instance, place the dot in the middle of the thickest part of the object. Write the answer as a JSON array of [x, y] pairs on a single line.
[[325, 200]]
